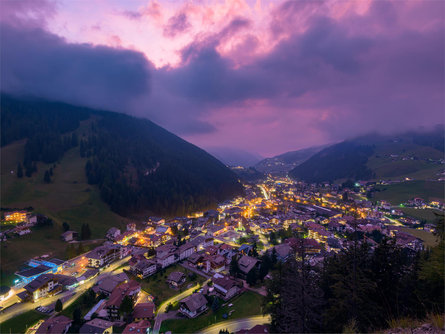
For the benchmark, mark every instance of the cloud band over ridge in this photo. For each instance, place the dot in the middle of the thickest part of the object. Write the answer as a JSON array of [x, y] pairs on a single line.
[[328, 73]]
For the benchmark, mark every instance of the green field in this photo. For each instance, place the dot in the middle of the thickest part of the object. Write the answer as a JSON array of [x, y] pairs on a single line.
[[387, 168], [157, 286], [402, 192], [428, 238], [246, 305], [21, 323], [427, 215], [45, 240], [68, 198]]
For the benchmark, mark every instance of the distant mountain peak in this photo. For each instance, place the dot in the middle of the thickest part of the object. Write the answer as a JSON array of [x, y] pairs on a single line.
[[283, 163]]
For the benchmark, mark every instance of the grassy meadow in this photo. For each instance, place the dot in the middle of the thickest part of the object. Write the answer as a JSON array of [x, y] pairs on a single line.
[[402, 192], [245, 305], [68, 198]]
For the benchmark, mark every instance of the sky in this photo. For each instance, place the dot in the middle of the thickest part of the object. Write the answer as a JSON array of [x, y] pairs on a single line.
[[264, 77]]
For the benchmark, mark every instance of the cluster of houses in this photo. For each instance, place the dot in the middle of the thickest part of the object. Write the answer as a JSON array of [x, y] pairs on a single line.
[[45, 285], [207, 243], [202, 253], [106, 313], [22, 222]]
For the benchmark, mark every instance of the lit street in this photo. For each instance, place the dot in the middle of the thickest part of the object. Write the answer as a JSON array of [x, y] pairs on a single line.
[[236, 325], [161, 311], [20, 308]]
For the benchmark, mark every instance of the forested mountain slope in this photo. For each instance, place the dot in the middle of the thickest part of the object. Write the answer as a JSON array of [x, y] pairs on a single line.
[[417, 155], [136, 165]]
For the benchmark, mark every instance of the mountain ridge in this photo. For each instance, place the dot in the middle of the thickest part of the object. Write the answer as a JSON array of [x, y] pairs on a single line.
[[282, 163], [137, 165], [374, 156]]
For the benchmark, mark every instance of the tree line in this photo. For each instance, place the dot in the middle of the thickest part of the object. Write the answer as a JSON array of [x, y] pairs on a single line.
[[139, 166], [358, 290]]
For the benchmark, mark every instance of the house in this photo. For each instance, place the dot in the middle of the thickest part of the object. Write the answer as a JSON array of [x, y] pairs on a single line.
[[55, 264], [102, 256], [408, 241], [176, 278], [245, 249], [65, 281], [334, 245], [193, 305], [215, 263], [166, 260], [319, 234], [155, 240], [97, 326], [144, 268], [246, 264], [42, 286], [283, 251], [225, 286], [141, 327], [113, 233], [28, 275], [22, 230], [131, 289], [215, 230], [186, 250], [56, 325], [335, 226], [165, 255], [131, 227], [310, 246], [156, 220], [69, 236], [226, 250], [202, 242], [32, 220], [144, 311], [108, 284], [196, 259], [16, 216]]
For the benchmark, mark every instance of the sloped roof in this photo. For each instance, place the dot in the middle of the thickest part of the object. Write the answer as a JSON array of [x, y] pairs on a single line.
[[246, 263], [194, 301]]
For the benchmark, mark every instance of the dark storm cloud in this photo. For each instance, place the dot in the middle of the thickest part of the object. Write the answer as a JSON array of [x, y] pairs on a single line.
[[290, 69], [365, 81], [382, 70], [37, 63]]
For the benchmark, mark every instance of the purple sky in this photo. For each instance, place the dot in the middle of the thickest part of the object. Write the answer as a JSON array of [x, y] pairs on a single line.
[[262, 76]]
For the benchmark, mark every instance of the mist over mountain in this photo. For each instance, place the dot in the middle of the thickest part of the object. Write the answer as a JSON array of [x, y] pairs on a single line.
[[283, 163], [234, 156]]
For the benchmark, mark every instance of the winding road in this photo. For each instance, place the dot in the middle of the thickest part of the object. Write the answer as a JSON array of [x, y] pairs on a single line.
[[161, 315]]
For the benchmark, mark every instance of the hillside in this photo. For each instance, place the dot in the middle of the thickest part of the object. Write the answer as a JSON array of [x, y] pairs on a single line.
[[249, 174], [283, 163], [96, 160], [414, 155]]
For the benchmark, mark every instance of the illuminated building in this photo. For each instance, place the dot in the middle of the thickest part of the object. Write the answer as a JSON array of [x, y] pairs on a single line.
[[15, 216]]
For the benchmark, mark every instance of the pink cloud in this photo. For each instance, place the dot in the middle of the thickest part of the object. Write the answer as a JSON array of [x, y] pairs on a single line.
[[270, 76]]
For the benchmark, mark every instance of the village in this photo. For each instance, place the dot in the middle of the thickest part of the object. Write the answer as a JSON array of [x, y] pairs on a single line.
[[205, 268]]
